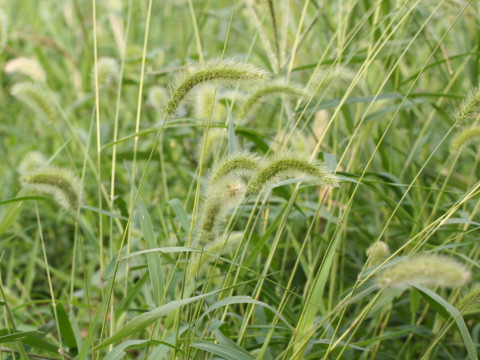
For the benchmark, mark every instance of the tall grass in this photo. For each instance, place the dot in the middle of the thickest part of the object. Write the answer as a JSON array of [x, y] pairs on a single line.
[[306, 188]]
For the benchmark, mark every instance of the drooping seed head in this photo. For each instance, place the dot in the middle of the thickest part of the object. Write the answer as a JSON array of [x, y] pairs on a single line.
[[275, 88], [469, 110], [227, 72], [464, 138], [37, 96], [285, 166], [239, 164], [378, 252], [470, 300], [426, 270], [26, 66], [31, 162], [65, 187], [220, 197], [157, 98], [107, 71]]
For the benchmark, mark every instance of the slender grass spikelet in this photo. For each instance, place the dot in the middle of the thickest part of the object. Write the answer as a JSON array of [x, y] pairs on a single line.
[[464, 138], [239, 164], [378, 252], [226, 71], [37, 96], [469, 110], [31, 162], [3, 29], [107, 71], [286, 166], [426, 270], [62, 184], [220, 197], [470, 300], [26, 66], [275, 88]]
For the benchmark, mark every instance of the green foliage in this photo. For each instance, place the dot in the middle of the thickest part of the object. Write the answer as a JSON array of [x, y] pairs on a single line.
[[255, 225]]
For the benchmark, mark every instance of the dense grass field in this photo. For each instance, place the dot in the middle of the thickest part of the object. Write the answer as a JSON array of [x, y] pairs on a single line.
[[239, 179]]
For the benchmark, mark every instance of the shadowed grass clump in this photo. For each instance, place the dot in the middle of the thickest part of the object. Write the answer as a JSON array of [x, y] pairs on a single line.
[[226, 72], [426, 270]]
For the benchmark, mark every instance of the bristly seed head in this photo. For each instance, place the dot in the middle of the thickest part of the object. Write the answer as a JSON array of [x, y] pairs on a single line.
[[426, 270], [469, 111], [464, 138], [470, 300], [31, 162], [37, 96], [65, 187], [286, 166], [276, 88], [378, 252], [220, 197], [239, 164], [26, 66], [226, 71], [107, 72]]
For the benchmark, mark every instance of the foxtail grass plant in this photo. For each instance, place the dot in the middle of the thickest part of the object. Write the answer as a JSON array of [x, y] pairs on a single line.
[[427, 270], [224, 71], [377, 252], [220, 197], [108, 70], [61, 183], [229, 214], [26, 66], [465, 137], [469, 110], [470, 300], [38, 97], [285, 166], [275, 88], [241, 164]]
